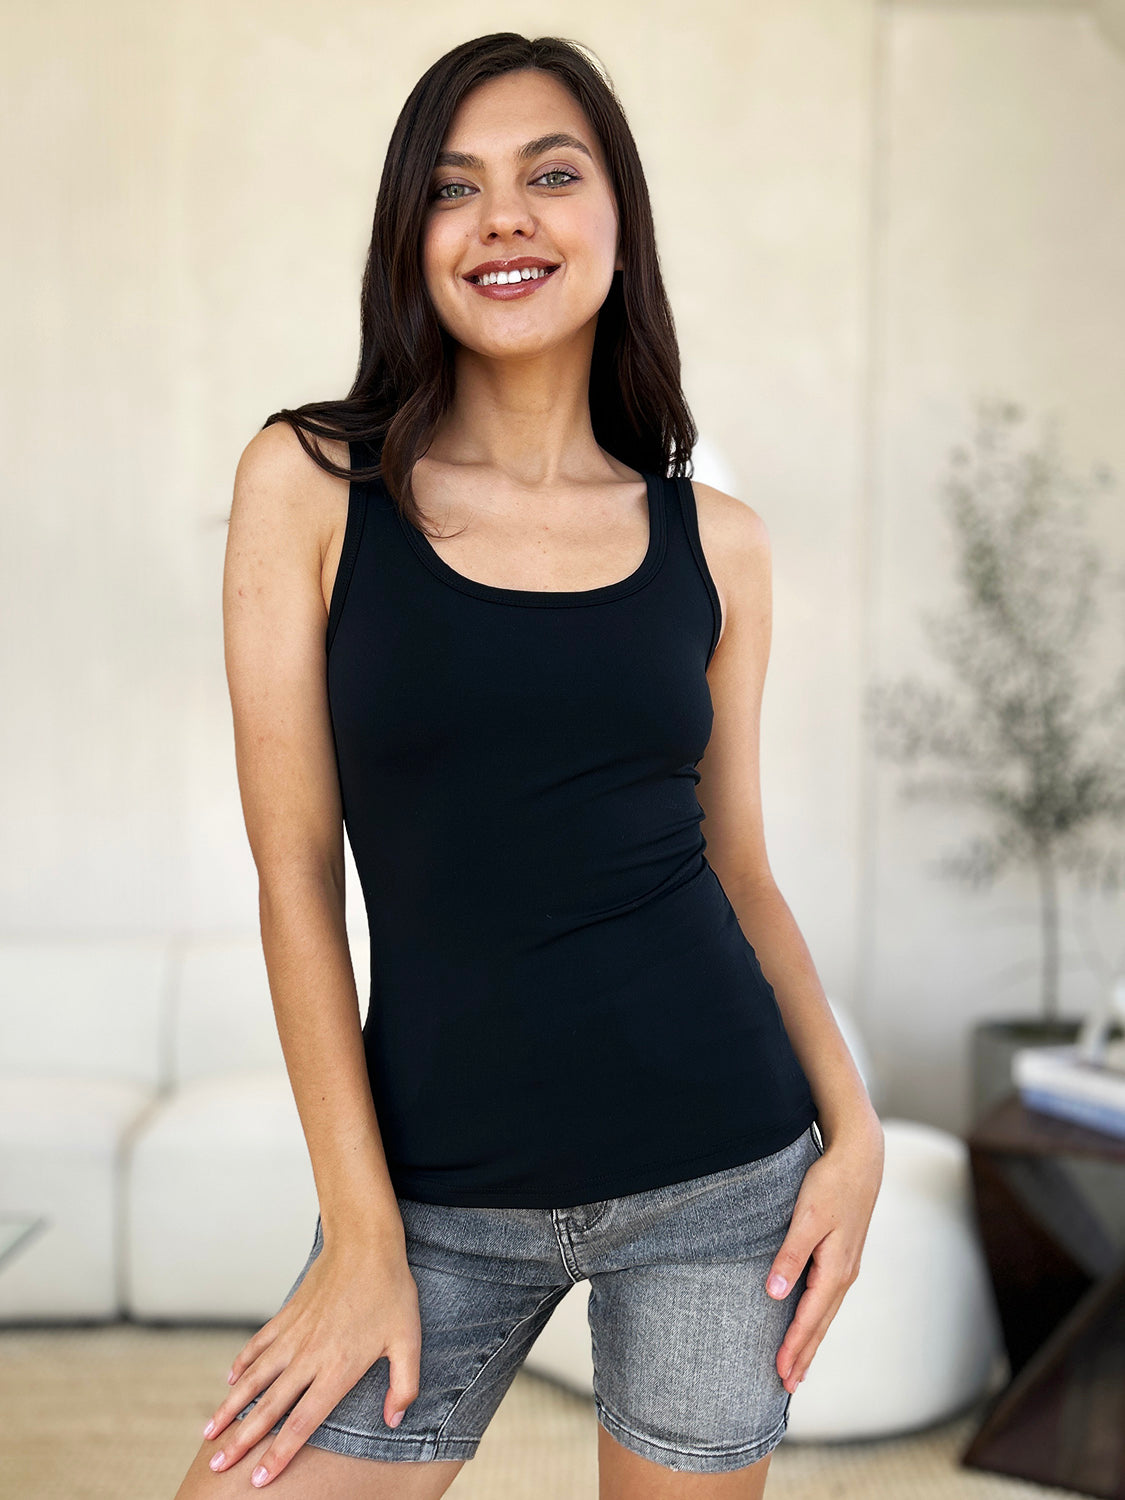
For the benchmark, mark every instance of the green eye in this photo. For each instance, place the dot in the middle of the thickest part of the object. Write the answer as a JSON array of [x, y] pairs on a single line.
[[443, 192]]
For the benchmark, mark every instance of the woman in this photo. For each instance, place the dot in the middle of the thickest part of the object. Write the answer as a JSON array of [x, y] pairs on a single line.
[[572, 1065]]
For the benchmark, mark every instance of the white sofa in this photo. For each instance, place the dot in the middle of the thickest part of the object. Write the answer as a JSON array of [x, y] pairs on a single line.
[[221, 1203], [82, 1041], [149, 1135]]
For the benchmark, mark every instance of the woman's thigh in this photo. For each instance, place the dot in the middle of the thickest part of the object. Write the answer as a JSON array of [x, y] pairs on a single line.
[[488, 1281], [685, 1335], [317, 1474]]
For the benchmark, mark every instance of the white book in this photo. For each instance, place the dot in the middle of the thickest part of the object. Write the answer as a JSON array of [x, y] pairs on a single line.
[[1059, 1081]]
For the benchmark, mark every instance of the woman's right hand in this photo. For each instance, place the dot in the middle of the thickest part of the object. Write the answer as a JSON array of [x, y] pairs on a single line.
[[355, 1304]]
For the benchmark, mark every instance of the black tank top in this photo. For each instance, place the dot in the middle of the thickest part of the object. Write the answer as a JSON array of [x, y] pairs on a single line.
[[563, 1006]]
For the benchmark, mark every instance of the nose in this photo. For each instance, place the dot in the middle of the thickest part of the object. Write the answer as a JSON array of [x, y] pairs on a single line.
[[504, 213]]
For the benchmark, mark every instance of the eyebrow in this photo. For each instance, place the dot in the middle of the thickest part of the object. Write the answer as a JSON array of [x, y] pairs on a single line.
[[532, 149]]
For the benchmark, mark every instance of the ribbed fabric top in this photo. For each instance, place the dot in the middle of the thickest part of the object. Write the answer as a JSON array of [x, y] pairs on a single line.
[[563, 1006]]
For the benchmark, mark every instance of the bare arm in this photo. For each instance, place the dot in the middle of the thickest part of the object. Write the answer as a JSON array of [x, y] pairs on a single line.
[[838, 1192], [738, 551], [358, 1300], [274, 623]]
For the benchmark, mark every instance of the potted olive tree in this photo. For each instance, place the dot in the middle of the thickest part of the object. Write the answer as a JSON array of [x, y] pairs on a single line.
[[1021, 735]]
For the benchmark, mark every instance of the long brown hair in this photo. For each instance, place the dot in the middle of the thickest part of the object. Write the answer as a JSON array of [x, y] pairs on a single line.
[[405, 379]]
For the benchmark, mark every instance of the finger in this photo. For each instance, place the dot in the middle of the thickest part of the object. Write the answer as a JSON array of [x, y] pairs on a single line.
[[276, 1403], [320, 1398], [829, 1283], [405, 1361], [822, 1296], [791, 1259], [258, 1378], [252, 1349], [801, 1342], [808, 1353]]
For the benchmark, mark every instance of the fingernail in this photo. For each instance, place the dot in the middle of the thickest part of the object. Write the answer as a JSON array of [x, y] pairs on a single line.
[[230, 1377], [777, 1286], [209, 1429], [259, 1476], [397, 1418], [217, 1461]]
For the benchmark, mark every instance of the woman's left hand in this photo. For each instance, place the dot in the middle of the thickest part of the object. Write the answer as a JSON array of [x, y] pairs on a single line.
[[829, 1223]]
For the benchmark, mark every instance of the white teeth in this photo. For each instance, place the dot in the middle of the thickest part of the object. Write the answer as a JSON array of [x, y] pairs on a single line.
[[503, 278]]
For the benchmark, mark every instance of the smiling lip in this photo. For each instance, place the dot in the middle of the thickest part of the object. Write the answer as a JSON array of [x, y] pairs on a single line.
[[511, 290]]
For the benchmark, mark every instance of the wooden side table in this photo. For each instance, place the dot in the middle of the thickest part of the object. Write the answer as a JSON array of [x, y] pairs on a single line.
[[1060, 1290]]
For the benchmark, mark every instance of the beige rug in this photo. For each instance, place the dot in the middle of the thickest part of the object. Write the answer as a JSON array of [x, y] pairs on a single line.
[[116, 1413]]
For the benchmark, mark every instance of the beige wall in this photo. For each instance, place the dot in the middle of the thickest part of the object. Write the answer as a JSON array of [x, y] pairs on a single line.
[[868, 215]]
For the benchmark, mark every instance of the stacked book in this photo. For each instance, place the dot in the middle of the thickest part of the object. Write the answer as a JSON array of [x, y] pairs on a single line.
[[1066, 1082]]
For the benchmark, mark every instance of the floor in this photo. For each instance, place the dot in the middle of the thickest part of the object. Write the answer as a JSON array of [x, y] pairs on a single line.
[[116, 1412]]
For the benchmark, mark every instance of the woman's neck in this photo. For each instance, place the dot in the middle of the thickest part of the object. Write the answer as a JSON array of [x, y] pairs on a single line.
[[528, 419]]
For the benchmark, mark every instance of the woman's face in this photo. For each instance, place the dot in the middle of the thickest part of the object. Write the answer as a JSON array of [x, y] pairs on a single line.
[[508, 188]]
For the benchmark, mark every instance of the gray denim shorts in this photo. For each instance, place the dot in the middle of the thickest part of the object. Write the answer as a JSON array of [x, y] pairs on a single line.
[[684, 1333]]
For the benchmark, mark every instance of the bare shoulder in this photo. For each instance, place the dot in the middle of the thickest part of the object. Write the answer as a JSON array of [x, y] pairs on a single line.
[[729, 527], [287, 508], [278, 447], [277, 478], [736, 547]]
